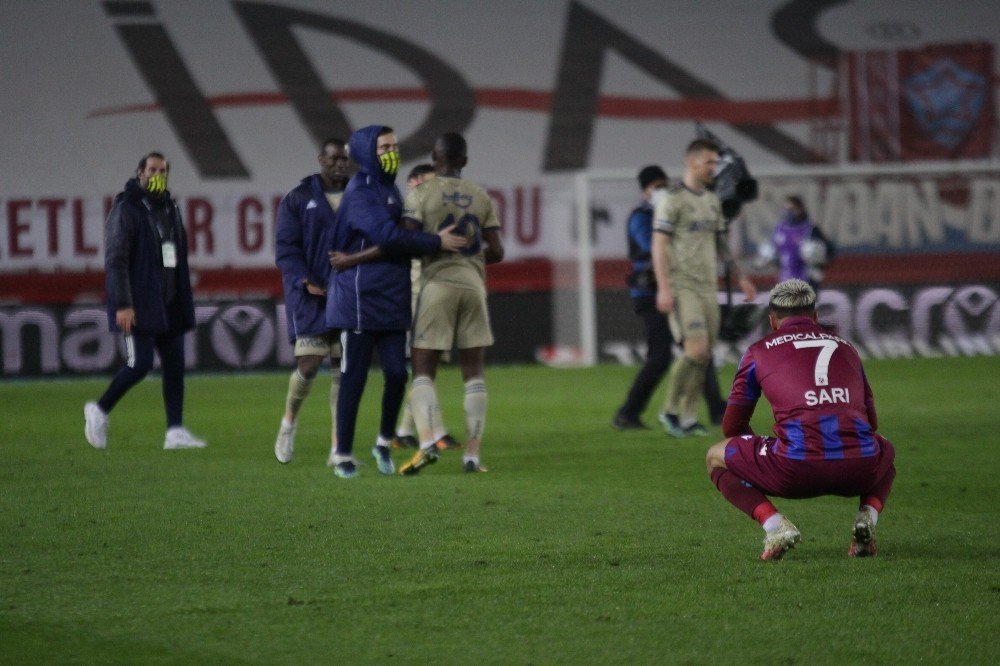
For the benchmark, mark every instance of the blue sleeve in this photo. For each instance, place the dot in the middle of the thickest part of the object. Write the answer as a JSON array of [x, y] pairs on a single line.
[[374, 223], [640, 229], [746, 387], [288, 252]]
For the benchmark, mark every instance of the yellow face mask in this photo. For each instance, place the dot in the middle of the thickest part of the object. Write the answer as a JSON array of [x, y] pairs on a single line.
[[389, 162], [157, 184]]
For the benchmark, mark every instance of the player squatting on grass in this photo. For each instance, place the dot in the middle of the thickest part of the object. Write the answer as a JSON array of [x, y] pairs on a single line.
[[825, 423]]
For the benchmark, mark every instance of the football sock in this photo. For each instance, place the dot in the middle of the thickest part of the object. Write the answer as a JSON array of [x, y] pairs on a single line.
[[772, 523], [475, 412], [334, 393], [381, 441], [424, 403], [677, 383], [298, 389], [406, 426], [872, 512], [877, 496], [747, 499], [692, 391]]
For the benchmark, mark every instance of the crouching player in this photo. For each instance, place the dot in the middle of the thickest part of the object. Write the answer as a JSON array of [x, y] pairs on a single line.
[[825, 426]]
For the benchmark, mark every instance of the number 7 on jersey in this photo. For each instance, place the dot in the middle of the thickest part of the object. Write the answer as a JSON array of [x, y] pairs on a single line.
[[827, 347]]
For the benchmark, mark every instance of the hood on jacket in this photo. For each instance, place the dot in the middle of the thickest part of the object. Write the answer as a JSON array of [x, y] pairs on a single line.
[[362, 148]]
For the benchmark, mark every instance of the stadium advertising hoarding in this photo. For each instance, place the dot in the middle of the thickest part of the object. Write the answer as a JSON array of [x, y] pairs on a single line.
[[902, 322], [238, 94]]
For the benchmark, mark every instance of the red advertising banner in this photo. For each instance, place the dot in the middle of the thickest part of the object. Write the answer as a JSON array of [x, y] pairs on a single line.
[[935, 103]]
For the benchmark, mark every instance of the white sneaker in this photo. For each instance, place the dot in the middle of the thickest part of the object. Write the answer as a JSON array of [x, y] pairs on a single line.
[[181, 438], [95, 425], [284, 446]]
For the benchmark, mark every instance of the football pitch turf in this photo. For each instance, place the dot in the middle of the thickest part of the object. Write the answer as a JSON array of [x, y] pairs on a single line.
[[581, 544]]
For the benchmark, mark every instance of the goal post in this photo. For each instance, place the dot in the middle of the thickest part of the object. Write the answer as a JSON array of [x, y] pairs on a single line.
[[879, 216]]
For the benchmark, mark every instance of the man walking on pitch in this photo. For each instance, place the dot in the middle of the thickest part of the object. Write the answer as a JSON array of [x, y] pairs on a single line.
[[451, 309], [689, 234], [149, 298], [370, 302], [302, 238], [825, 425]]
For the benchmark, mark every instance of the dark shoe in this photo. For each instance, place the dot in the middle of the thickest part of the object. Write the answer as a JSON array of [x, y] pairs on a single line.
[[346, 470], [405, 442], [696, 430], [671, 425], [471, 466], [447, 443], [621, 422]]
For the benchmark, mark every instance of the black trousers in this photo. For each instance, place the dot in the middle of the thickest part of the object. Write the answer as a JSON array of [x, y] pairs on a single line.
[[659, 354]]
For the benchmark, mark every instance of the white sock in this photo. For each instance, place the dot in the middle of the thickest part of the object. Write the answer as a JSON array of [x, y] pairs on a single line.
[[474, 459], [406, 428], [475, 408], [424, 402], [285, 423], [871, 512], [771, 524], [381, 441]]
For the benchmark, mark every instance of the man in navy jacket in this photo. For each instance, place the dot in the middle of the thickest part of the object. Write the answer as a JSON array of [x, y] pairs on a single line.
[[306, 218], [149, 298], [370, 302]]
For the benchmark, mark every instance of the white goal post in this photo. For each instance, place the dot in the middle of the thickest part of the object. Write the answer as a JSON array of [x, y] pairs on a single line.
[[864, 208]]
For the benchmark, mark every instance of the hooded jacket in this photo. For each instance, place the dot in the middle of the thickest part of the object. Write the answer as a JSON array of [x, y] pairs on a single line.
[[302, 239], [134, 275], [376, 295]]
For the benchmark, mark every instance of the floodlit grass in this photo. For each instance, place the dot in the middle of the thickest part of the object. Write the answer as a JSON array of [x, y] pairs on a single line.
[[581, 545]]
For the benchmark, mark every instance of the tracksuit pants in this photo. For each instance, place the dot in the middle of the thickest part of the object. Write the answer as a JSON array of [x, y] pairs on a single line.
[[358, 348], [139, 349]]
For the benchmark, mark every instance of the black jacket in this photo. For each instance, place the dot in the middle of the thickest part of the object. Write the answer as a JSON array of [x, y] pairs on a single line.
[[133, 264]]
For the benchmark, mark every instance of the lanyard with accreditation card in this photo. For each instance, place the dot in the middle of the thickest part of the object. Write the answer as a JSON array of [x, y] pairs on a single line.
[[169, 250]]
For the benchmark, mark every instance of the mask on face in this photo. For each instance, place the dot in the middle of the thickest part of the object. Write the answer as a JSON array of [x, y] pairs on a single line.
[[658, 194], [157, 184], [389, 162]]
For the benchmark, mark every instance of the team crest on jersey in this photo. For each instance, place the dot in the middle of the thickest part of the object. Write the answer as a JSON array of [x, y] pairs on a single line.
[[457, 198], [311, 204]]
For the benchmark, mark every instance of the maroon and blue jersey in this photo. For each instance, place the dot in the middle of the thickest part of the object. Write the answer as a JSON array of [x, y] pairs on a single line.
[[823, 406]]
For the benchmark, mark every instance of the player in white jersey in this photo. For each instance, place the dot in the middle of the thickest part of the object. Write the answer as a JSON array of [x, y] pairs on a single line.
[[406, 432], [451, 310], [689, 237]]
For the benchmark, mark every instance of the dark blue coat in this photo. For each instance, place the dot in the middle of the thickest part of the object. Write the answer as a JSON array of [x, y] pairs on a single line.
[[133, 265], [373, 296], [641, 281], [302, 238]]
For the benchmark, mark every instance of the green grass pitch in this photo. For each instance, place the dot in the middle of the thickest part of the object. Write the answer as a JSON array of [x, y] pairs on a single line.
[[581, 545]]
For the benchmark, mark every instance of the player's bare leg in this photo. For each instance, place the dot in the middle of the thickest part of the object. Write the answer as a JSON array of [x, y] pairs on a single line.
[[299, 384], [780, 535], [475, 406]]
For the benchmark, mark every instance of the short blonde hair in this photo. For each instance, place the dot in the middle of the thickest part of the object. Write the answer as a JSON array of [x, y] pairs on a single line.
[[792, 297]]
